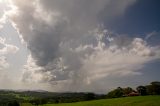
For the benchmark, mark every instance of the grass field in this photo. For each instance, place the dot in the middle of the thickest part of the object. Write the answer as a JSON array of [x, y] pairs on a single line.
[[126, 101]]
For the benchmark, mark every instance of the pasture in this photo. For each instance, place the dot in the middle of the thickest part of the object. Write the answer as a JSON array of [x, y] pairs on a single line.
[[125, 101]]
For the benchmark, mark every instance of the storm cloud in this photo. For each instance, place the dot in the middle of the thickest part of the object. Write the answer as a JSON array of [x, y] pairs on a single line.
[[70, 47]]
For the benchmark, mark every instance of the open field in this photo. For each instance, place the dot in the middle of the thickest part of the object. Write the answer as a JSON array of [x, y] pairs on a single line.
[[126, 101]]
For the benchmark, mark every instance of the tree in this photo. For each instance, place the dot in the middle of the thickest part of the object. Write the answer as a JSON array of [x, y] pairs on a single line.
[[142, 90], [13, 103], [156, 87], [127, 90], [116, 93], [90, 96], [153, 88], [43, 101]]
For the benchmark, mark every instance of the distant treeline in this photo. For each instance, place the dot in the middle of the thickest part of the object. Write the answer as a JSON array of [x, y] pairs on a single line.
[[14, 98], [39, 98], [152, 89]]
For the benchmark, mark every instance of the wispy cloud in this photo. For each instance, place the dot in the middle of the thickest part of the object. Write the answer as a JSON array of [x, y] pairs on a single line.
[[151, 34]]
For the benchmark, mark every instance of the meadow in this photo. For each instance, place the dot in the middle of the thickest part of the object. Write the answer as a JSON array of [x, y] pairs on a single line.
[[124, 101]]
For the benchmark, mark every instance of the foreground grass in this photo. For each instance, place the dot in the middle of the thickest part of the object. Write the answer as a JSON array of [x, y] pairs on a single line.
[[126, 101]]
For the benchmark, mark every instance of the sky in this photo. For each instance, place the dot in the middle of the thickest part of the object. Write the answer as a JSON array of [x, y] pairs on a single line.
[[79, 45]]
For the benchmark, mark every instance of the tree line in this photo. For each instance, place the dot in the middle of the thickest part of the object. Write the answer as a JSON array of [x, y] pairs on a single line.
[[152, 89], [13, 98]]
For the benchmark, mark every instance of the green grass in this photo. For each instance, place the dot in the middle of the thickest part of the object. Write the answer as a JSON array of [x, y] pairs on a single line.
[[126, 101]]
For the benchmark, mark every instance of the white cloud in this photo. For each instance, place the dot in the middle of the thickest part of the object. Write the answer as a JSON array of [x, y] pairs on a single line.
[[66, 50], [2, 21], [32, 73], [3, 8], [3, 63], [118, 61], [139, 47], [78, 69], [7, 48]]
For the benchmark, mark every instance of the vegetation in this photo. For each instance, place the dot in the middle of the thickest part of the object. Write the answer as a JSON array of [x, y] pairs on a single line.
[[36, 98], [127, 101], [40, 98], [152, 89]]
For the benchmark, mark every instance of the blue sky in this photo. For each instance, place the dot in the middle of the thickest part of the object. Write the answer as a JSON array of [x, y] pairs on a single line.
[[140, 18], [84, 46]]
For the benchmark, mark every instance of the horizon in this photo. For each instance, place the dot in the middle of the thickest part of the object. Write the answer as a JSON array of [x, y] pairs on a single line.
[[63, 92], [79, 45]]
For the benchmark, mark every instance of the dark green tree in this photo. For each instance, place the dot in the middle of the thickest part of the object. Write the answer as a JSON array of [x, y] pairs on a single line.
[[153, 88], [13, 103], [90, 96], [43, 101], [127, 90], [142, 90], [156, 87], [116, 93]]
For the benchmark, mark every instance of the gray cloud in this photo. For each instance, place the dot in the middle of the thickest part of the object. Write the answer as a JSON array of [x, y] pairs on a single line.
[[51, 22], [68, 46]]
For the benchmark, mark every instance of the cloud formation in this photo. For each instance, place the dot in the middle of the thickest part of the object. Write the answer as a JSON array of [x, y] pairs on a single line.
[[4, 50], [69, 47], [7, 48], [3, 63]]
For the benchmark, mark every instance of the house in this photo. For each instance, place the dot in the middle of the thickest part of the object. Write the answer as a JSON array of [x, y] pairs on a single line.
[[134, 93]]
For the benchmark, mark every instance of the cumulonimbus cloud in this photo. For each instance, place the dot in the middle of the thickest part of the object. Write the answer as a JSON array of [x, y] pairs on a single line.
[[67, 48]]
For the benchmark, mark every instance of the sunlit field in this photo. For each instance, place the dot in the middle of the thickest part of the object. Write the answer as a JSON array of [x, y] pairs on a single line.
[[126, 101]]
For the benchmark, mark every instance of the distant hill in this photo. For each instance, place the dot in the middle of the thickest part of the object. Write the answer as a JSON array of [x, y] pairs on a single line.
[[23, 90], [51, 97]]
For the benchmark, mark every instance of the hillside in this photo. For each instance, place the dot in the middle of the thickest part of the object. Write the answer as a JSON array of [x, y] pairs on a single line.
[[126, 101]]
